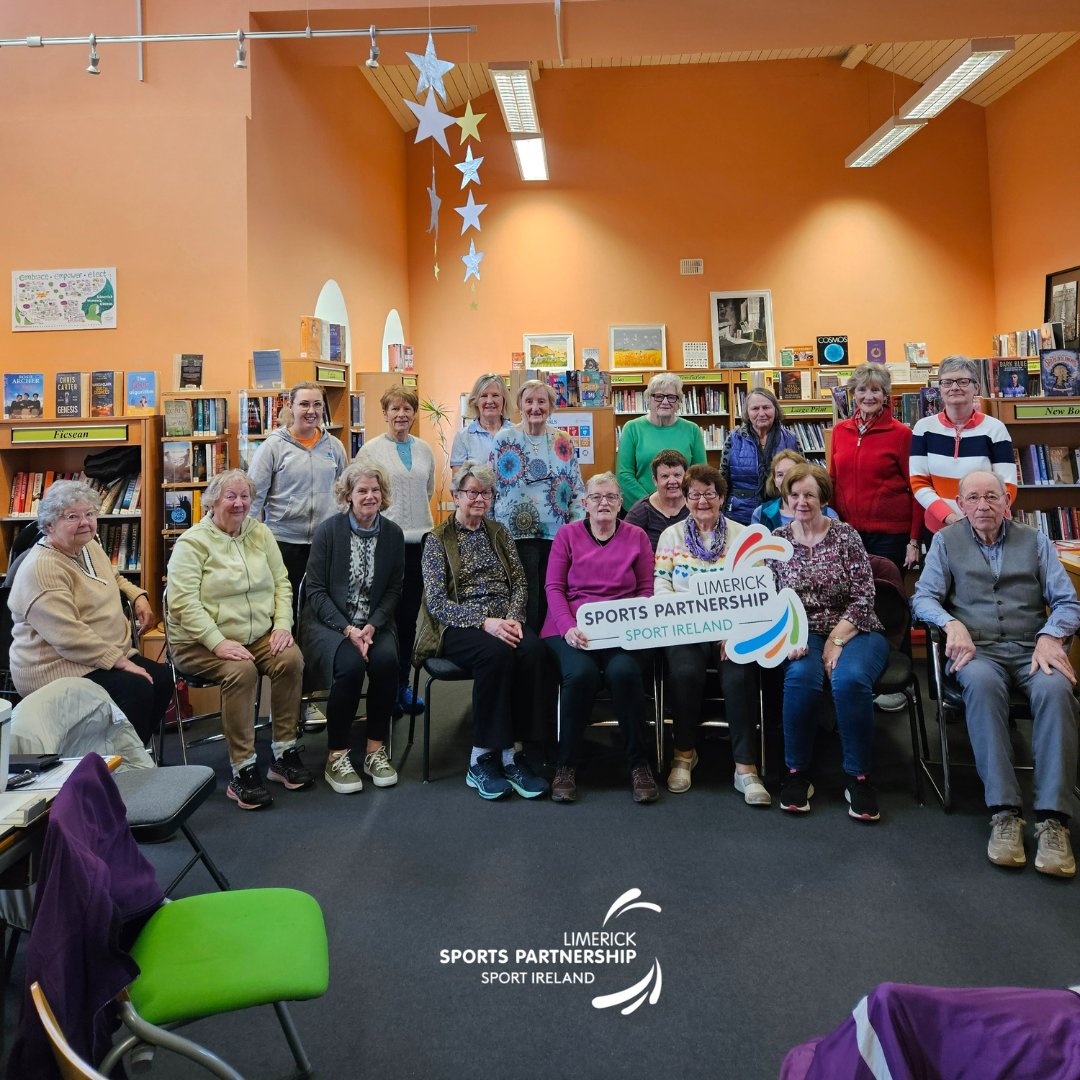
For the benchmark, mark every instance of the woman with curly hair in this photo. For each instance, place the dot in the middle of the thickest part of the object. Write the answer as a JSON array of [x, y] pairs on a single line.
[[538, 488]]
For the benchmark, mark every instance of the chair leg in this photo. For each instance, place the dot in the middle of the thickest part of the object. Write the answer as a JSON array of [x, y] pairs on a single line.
[[946, 778], [303, 1064], [203, 856], [912, 705], [427, 730]]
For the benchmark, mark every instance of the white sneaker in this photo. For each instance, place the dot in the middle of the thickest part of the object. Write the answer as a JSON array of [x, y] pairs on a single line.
[[314, 718], [890, 702], [341, 775], [752, 789]]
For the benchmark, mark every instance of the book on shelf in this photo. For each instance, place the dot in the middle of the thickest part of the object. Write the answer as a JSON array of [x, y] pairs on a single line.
[[24, 392], [1010, 377], [841, 397], [1051, 336], [268, 371], [178, 509], [796, 385], [517, 361], [929, 401], [915, 353], [178, 416], [356, 443], [356, 410], [400, 357], [177, 463], [1060, 372], [106, 393], [832, 350], [72, 395], [336, 338], [875, 351], [141, 393], [1060, 462], [209, 416], [311, 339], [558, 382], [188, 371]]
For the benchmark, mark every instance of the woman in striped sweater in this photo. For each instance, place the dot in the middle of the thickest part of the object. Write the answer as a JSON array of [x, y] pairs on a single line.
[[958, 440]]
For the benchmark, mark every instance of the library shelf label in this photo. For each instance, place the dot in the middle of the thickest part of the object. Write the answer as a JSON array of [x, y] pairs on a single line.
[[1047, 412], [112, 433]]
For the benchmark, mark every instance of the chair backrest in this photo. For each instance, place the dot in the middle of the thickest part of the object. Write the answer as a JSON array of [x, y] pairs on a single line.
[[890, 602], [71, 1066]]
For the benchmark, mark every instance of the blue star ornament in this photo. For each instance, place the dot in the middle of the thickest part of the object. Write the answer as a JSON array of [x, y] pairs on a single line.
[[469, 168], [470, 214], [433, 123], [472, 261], [431, 69]]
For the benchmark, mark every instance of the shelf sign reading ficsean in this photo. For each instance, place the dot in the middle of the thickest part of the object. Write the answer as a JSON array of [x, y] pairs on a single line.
[[75, 434]]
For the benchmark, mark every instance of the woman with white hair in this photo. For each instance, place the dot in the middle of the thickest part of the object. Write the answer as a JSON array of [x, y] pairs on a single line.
[[661, 428], [486, 406]]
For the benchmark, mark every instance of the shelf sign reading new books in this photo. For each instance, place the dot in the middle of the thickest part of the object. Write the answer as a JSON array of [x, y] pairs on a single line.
[[1048, 412], [91, 433]]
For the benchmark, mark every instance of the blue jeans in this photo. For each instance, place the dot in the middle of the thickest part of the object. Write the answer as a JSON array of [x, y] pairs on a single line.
[[861, 661]]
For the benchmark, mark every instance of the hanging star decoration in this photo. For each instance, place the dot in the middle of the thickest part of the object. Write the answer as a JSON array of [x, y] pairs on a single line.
[[436, 271], [469, 168], [431, 69], [436, 202], [433, 123], [470, 214], [469, 122], [472, 261]]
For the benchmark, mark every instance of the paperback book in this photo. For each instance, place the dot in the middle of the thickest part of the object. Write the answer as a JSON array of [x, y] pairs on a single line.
[[1010, 377], [23, 395], [1060, 372], [178, 416], [915, 353], [268, 370], [106, 393], [188, 369], [141, 393], [72, 394], [176, 463], [832, 349]]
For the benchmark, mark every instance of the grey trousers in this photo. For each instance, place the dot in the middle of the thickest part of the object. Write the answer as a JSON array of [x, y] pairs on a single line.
[[986, 682]]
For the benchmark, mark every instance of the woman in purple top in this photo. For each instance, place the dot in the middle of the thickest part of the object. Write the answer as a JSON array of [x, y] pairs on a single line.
[[597, 559], [830, 572]]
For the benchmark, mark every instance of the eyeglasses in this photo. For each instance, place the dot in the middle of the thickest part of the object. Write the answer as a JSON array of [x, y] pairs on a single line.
[[974, 500], [472, 495], [673, 398], [697, 496], [963, 384], [75, 519], [609, 497]]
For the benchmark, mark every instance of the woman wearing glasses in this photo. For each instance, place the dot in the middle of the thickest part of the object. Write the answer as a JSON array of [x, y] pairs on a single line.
[[749, 451], [487, 405], [958, 440], [600, 558], [661, 428], [539, 488], [474, 614], [697, 546]]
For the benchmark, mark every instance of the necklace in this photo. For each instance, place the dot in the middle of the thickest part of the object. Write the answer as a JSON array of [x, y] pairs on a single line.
[[537, 467]]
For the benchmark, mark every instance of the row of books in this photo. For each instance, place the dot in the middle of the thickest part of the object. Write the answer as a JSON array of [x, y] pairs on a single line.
[[321, 339], [911, 407], [810, 435], [1051, 335], [196, 416], [1041, 464], [259, 412], [80, 394], [356, 410], [186, 462], [121, 496], [1062, 523], [122, 543], [577, 389], [356, 443]]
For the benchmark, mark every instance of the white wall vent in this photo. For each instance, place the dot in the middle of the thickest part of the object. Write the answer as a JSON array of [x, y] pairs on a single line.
[[691, 266]]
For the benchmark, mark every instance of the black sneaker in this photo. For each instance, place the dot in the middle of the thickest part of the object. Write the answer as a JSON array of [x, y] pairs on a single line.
[[247, 790], [290, 770], [862, 799], [795, 792]]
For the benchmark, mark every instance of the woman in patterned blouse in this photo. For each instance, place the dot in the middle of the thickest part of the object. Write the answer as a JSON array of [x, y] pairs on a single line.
[[830, 572], [539, 488], [352, 588]]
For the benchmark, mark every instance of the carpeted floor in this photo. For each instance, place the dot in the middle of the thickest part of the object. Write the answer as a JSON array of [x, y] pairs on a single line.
[[771, 926]]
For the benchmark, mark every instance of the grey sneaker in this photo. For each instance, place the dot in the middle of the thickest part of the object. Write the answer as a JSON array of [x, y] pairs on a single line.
[[314, 719], [678, 779], [377, 766], [1054, 854], [751, 788], [1006, 847], [341, 775]]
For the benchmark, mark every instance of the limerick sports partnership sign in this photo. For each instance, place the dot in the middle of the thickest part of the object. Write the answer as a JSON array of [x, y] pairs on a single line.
[[737, 603]]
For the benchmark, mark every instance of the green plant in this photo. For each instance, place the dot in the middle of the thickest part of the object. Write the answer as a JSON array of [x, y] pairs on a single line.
[[440, 419]]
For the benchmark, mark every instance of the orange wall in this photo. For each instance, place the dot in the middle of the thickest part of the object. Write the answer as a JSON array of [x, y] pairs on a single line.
[[1034, 156], [741, 165]]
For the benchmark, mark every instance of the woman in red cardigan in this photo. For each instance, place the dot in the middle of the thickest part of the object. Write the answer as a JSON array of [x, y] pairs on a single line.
[[869, 470]]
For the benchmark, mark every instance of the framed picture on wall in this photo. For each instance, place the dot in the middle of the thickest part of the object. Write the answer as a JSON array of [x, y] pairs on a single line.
[[549, 352], [638, 348], [1061, 304], [742, 328]]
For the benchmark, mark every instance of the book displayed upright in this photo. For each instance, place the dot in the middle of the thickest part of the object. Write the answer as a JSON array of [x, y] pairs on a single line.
[[1010, 377], [832, 349], [23, 395], [141, 393], [188, 371], [72, 394], [178, 416], [1060, 372], [106, 393], [268, 369], [311, 339]]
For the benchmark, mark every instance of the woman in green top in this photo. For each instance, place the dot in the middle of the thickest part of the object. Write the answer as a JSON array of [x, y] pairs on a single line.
[[661, 428]]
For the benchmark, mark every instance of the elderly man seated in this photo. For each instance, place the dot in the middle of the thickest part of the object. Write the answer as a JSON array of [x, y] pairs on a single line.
[[988, 583]]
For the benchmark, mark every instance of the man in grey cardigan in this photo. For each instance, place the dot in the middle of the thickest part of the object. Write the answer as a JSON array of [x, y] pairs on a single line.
[[988, 583]]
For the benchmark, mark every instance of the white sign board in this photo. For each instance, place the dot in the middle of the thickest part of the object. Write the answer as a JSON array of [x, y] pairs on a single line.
[[736, 603]]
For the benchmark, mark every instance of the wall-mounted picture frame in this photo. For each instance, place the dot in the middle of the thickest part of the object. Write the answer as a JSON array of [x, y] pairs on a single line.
[[1062, 290], [549, 352], [742, 328], [640, 347]]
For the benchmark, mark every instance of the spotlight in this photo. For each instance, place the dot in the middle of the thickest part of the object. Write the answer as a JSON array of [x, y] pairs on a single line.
[[92, 68], [241, 52], [373, 60]]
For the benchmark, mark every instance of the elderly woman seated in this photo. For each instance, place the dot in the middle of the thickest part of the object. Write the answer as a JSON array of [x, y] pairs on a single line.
[[474, 615], [598, 559], [697, 546], [230, 620], [68, 617]]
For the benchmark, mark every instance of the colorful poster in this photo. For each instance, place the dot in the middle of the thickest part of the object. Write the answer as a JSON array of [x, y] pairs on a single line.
[[579, 426], [64, 299]]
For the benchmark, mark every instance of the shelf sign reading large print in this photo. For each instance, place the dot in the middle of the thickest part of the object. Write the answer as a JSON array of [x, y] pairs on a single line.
[[64, 299], [736, 603]]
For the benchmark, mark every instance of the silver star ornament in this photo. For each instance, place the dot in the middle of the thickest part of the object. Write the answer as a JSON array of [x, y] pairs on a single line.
[[470, 214], [472, 261], [469, 168], [431, 69], [433, 123]]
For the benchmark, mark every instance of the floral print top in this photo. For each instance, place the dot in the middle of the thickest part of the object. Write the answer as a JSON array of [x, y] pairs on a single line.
[[538, 485]]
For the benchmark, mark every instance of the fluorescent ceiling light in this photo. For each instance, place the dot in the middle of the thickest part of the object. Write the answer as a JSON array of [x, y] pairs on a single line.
[[531, 155], [512, 83], [950, 80], [882, 143]]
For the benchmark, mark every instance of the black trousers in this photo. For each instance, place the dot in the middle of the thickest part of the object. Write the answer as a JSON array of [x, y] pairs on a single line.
[[534, 556], [686, 671], [143, 703], [506, 684], [888, 545], [295, 558], [412, 589], [381, 668]]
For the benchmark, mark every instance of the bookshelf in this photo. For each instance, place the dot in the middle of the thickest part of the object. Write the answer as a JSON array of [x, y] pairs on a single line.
[[357, 422], [707, 401], [61, 446]]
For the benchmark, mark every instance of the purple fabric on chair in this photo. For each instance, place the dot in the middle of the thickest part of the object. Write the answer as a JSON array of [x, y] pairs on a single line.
[[901, 1032], [95, 892]]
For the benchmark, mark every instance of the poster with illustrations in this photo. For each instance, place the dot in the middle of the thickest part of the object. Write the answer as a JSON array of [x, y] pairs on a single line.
[[64, 299]]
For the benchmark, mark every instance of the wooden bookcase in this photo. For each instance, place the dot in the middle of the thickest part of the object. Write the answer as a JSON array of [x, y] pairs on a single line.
[[62, 446], [357, 423]]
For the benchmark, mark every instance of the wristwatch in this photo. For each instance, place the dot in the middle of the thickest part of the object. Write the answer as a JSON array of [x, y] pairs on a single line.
[[838, 642]]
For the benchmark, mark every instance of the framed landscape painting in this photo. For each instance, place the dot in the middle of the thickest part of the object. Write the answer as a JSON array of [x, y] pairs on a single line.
[[638, 348], [742, 328], [549, 352]]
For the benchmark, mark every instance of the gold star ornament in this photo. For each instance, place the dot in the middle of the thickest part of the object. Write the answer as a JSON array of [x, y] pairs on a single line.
[[469, 122]]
